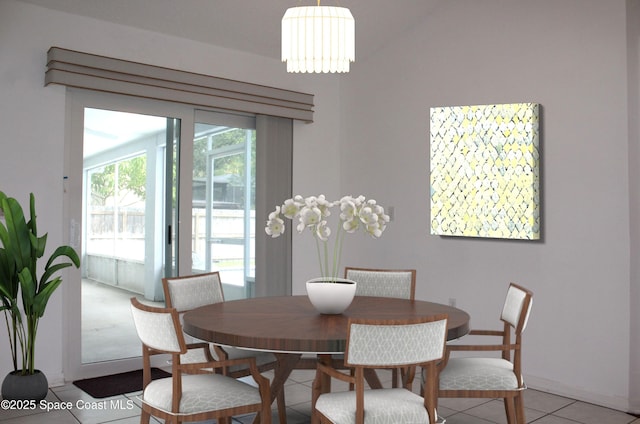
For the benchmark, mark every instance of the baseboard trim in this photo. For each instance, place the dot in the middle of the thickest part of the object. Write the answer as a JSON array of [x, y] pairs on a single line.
[[613, 402]]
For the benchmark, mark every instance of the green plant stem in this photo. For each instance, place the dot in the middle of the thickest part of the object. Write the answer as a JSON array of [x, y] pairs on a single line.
[[326, 270], [21, 339], [17, 337], [326, 260], [33, 326], [337, 252], [319, 254], [12, 340]]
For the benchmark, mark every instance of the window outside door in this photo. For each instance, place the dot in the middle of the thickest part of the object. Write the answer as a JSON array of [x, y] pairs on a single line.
[[223, 200]]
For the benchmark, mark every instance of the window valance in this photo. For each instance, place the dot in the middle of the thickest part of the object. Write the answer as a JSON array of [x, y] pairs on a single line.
[[89, 71]]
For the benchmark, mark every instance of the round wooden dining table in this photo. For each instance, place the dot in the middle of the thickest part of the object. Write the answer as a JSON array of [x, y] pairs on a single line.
[[289, 326]]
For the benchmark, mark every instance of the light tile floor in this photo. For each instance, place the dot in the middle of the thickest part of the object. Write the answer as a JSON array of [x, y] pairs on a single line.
[[541, 408]]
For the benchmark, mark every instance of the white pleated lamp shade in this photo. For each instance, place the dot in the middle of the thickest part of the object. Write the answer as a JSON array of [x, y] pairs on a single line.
[[318, 39]]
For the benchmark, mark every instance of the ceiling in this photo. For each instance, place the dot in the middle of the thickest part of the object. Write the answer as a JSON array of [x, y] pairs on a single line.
[[252, 26]]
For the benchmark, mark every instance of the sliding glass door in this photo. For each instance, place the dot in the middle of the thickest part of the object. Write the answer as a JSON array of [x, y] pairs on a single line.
[[129, 174], [153, 190]]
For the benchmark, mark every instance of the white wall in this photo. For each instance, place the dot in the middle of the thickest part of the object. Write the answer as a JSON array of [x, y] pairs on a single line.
[[32, 118], [570, 57]]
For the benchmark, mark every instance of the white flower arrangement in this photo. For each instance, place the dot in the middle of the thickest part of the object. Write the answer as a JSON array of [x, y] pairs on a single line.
[[312, 213]]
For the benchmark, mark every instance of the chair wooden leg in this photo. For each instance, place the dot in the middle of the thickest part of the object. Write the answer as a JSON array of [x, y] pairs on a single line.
[[510, 410], [317, 388], [519, 401], [145, 417], [430, 391]]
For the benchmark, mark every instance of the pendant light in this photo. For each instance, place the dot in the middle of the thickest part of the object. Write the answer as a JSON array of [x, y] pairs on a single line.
[[318, 39]]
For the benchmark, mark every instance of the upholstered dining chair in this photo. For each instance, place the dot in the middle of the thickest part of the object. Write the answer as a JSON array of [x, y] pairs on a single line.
[[397, 283], [189, 395], [383, 344], [492, 377], [192, 291]]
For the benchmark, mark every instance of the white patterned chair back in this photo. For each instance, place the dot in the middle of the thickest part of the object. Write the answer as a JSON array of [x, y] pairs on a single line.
[[383, 283], [386, 343], [192, 291], [517, 307], [158, 328]]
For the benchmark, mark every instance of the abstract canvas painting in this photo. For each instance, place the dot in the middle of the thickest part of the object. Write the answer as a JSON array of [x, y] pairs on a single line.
[[485, 171]]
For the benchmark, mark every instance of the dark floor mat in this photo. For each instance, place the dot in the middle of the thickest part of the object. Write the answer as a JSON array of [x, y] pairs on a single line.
[[117, 384]]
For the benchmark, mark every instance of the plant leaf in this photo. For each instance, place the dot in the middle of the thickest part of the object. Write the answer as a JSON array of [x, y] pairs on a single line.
[[28, 285], [50, 269], [18, 234], [41, 299]]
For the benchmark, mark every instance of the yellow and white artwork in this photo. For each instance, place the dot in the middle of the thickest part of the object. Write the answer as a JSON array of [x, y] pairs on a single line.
[[485, 171]]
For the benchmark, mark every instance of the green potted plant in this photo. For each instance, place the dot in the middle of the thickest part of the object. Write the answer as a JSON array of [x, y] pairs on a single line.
[[24, 296]]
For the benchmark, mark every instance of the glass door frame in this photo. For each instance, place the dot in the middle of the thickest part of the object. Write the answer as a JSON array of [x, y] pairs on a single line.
[[77, 101]]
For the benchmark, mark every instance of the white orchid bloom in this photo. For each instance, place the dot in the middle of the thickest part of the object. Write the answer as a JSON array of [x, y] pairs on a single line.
[[275, 214], [324, 206], [323, 231], [310, 216], [312, 213], [275, 227], [374, 230], [351, 226], [350, 200], [300, 227], [290, 208], [379, 210], [347, 209], [367, 216], [311, 201]]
